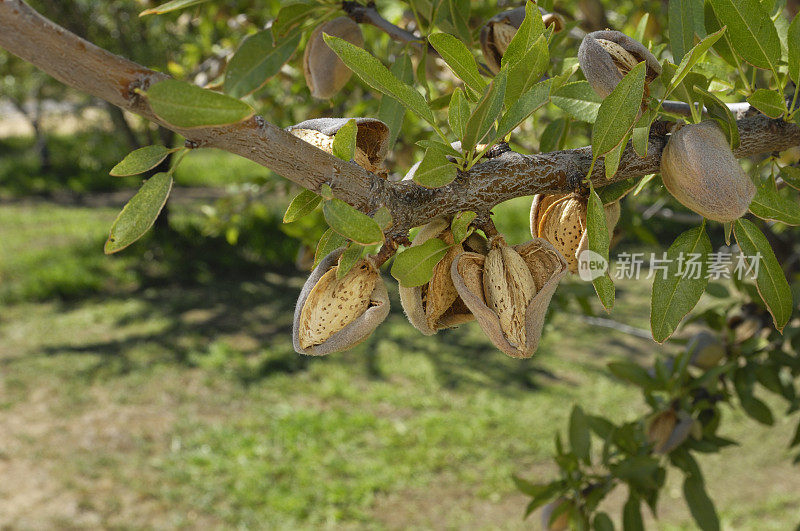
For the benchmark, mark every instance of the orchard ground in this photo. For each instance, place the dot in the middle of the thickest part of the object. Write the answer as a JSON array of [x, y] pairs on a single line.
[[152, 389]]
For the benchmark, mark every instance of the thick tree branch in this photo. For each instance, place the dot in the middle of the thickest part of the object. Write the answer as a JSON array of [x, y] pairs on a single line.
[[86, 67]]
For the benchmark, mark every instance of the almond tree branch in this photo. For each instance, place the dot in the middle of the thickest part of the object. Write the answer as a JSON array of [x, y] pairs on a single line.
[[84, 66]]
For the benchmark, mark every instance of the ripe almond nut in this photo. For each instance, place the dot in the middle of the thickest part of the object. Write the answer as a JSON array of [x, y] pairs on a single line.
[[561, 220], [372, 139], [325, 73], [497, 33], [606, 56], [337, 314], [509, 291], [701, 172]]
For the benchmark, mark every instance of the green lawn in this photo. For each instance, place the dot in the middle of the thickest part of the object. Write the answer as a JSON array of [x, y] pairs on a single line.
[[130, 403]]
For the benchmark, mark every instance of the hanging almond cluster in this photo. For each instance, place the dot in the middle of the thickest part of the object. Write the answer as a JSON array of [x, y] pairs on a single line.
[[701, 172], [335, 314], [508, 291], [372, 139], [501, 28], [561, 220], [437, 305], [325, 73], [606, 56]]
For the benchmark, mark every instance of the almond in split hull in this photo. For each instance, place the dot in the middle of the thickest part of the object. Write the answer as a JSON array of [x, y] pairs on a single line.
[[335, 303], [508, 287]]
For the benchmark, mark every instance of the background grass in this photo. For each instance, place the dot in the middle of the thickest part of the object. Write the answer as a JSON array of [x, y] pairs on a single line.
[[158, 388]]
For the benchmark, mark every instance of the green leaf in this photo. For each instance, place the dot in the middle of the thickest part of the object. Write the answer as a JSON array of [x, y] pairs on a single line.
[[452, 18], [526, 72], [793, 42], [723, 45], [383, 217], [579, 437], [751, 31], [435, 170], [579, 100], [768, 203], [292, 15], [791, 176], [676, 293], [486, 112], [349, 257], [770, 280], [641, 27], [459, 59], [602, 522], [691, 59], [523, 107], [640, 138], [529, 31], [722, 114], [344, 141], [140, 213], [700, 505], [377, 76], [256, 61], [303, 204], [630, 372], [329, 242], [597, 236], [612, 158], [618, 112], [391, 111], [768, 102], [458, 113], [351, 223], [617, 190], [140, 160], [414, 266], [552, 135], [185, 105], [173, 5], [441, 147], [684, 15], [459, 227], [632, 514]]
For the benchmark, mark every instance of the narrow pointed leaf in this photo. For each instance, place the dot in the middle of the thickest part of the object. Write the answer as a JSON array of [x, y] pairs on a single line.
[[459, 59], [700, 505], [414, 266], [140, 213], [721, 114], [526, 72], [770, 280], [683, 17], [185, 105], [256, 61], [676, 293], [140, 160], [174, 5], [458, 113], [691, 59], [768, 203], [303, 204], [524, 106], [377, 76], [579, 100], [329, 242], [351, 223], [292, 15], [751, 31], [597, 235], [488, 109], [793, 42], [459, 227], [344, 142], [791, 176], [349, 257], [618, 111], [391, 111], [530, 30], [612, 158], [579, 437]]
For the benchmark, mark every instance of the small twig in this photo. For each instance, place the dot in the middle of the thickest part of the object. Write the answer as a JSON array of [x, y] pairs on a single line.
[[369, 15]]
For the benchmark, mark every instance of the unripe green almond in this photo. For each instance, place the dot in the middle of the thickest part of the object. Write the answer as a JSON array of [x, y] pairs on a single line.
[[325, 73], [700, 171]]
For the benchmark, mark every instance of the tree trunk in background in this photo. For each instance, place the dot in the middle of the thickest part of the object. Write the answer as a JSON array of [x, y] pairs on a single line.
[[122, 125]]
